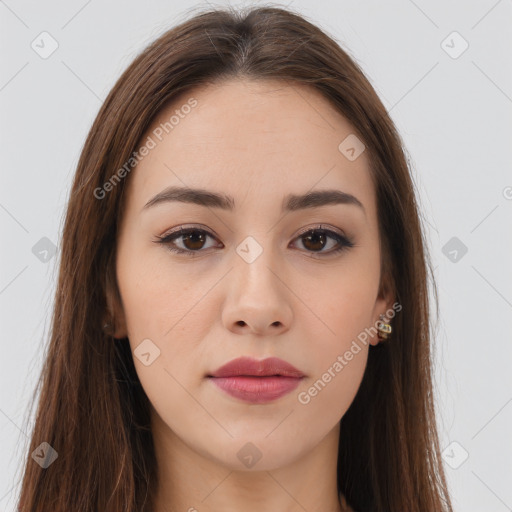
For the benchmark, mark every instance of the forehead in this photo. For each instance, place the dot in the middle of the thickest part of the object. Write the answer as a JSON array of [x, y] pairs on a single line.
[[255, 140]]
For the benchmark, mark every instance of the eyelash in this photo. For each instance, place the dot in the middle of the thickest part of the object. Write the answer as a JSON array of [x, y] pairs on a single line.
[[343, 242]]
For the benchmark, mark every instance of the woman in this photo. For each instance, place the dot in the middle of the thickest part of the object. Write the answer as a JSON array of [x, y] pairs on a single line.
[[242, 313]]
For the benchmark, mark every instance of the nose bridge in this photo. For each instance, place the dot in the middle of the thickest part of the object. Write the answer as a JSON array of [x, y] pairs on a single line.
[[256, 260], [256, 297]]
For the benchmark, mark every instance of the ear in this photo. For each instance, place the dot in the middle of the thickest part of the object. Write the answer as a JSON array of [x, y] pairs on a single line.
[[115, 311], [385, 300]]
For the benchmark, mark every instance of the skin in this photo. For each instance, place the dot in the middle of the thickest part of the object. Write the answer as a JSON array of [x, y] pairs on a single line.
[[256, 141]]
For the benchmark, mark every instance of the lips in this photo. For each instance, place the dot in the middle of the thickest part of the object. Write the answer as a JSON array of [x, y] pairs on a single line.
[[256, 381], [250, 367]]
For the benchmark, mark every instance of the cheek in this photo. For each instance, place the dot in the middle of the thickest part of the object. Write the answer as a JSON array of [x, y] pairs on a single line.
[[330, 392], [342, 303], [338, 351], [340, 332], [161, 300]]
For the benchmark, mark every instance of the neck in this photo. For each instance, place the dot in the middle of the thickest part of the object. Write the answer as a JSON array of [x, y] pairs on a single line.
[[194, 482]]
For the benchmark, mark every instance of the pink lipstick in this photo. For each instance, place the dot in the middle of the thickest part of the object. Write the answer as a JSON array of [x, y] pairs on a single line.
[[257, 381]]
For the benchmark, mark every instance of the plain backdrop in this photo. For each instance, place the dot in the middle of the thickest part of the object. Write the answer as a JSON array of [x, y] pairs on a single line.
[[442, 69]]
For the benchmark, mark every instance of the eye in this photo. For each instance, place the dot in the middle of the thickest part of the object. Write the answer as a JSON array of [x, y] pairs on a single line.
[[192, 240], [315, 240]]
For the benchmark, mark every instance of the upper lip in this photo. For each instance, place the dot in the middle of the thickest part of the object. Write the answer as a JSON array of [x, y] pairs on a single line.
[[248, 366]]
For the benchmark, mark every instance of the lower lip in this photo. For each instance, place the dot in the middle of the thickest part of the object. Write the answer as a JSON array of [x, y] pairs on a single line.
[[257, 390]]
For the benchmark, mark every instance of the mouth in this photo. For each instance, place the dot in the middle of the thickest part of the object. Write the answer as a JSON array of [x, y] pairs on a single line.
[[256, 381]]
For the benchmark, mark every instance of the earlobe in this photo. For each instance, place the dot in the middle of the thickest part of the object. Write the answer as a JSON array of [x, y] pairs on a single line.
[[383, 327], [384, 305]]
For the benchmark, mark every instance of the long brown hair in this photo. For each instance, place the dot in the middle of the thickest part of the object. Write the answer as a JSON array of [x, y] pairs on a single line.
[[92, 409]]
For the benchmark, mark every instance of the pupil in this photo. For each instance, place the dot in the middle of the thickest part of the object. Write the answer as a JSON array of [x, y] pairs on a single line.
[[190, 236], [315, 237]]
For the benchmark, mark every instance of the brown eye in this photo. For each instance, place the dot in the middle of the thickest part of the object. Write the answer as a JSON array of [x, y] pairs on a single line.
[[315, 240], [192, 240]]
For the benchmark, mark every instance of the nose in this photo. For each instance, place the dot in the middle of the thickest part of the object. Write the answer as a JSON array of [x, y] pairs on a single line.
[[257, 297]]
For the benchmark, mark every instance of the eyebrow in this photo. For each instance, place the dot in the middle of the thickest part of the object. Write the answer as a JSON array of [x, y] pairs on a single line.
[[290, 203]]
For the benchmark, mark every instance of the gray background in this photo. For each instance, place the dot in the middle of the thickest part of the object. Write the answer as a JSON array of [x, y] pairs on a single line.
[[454, 117]]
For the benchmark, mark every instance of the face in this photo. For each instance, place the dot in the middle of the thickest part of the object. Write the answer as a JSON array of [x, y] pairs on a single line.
[[259, 273]]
